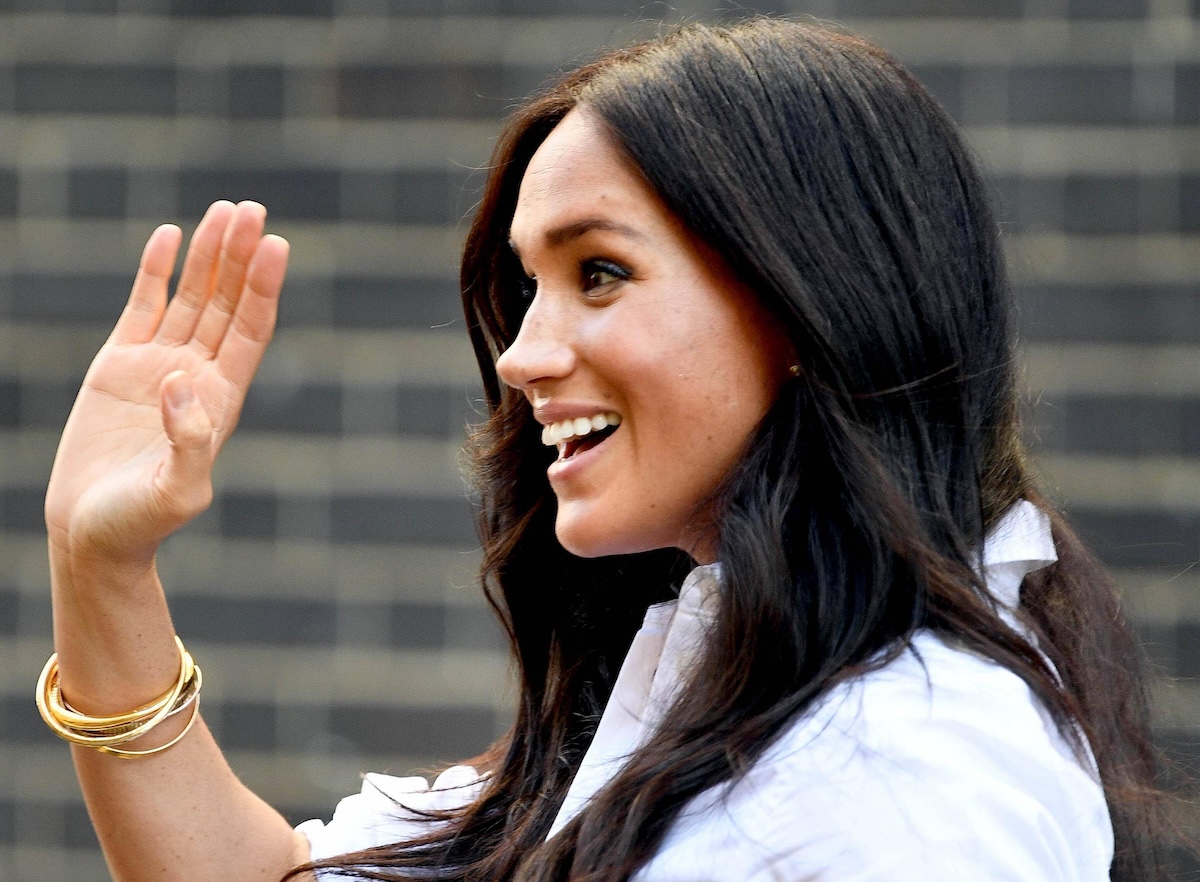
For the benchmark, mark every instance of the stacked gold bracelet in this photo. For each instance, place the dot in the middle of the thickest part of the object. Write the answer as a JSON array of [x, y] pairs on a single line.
[[105, 733]]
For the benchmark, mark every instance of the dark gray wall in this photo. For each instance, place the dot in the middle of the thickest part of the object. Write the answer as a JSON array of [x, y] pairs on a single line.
[[328, 592]]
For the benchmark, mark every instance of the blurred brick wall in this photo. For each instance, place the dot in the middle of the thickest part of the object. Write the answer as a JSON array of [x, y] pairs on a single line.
[[328, 594]]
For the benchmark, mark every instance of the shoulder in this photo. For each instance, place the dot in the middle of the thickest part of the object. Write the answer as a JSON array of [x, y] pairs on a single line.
[[390, 809], [940, 765]]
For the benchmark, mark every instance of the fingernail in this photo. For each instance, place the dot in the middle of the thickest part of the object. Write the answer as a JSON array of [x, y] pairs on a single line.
[[179, 395]]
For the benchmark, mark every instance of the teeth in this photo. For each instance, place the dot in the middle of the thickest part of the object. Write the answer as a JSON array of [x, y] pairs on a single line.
[[564, 430]]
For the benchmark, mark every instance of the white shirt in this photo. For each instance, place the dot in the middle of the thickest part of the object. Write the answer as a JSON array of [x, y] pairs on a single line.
[[941, 765]]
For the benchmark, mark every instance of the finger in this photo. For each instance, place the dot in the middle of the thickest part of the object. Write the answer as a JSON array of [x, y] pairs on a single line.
[[196, 280], [241, 240], [143, 311], [254, 322], [184, 485]]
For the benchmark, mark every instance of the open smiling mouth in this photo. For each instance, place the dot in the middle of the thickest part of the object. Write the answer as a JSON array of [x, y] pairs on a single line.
[[582, 433]]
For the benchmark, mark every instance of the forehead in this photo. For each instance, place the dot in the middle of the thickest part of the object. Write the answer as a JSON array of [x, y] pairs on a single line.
[[579, 172]]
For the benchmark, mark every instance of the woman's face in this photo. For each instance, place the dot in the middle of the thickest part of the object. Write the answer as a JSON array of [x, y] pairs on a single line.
[[634, 322]]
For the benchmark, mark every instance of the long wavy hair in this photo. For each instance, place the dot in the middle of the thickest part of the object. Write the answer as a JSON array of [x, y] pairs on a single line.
[[832, 183]]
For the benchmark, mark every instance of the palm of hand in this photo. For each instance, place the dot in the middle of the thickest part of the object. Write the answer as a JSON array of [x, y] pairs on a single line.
[[131, 468]]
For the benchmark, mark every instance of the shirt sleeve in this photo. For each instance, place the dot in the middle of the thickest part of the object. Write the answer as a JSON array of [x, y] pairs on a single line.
[[389, 810]]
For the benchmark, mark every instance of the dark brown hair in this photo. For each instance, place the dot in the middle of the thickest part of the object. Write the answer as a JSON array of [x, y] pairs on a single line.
[[832, 184]]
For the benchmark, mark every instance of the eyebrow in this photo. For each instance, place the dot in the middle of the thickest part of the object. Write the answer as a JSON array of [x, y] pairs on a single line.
[[559, 236]]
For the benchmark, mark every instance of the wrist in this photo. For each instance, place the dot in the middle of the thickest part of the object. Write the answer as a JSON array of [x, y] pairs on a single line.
[[90, 567]]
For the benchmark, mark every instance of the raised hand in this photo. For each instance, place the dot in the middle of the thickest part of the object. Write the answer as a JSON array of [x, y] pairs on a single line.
[[165, 390]]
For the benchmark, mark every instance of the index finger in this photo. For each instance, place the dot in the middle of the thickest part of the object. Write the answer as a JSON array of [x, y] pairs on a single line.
[[144, 309]]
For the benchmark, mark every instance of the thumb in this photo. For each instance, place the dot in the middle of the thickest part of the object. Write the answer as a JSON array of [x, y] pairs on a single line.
[[186, 476]]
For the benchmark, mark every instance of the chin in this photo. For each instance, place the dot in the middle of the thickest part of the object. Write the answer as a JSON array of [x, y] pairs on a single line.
[[593, 536], [583, 544]]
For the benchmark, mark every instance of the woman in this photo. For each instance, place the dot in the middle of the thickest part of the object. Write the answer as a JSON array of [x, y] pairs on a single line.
[[738, 301]]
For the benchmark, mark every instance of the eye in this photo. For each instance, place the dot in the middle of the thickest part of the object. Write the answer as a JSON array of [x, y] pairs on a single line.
[[600, 273], [526, 287]]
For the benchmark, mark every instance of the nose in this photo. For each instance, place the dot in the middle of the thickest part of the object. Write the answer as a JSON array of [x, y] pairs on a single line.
[[542, 350]]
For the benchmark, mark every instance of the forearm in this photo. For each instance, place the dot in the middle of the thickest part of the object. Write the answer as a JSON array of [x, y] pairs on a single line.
[[178, 814]]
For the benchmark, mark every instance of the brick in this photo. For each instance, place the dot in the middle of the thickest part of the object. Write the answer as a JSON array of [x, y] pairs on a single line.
[[231, 8], [1136, 538], [360, 302], [307, 301], [243, 725], [35, 615], [635, 9], [77, 827], [69, 6], [474, 628], [1122, 426], [39, 823], [71, 299], [945, 82], [1186, 650], [1078, 95], [469, 91], [417, 626], [21, 509], [425, 412], [400, 8], [97, 192], [9, 184], [256, 93], [22, 725], [413, 197], [247, 515], [371, 410], [449, 733], [10, 605], [1148, 314], [305, 194], [304, 517], [46, 405], [8, 811], [81, 88], [1100, 205], [1106, 8], [268, 621], [302, 408], [1189, 204], [904, 8], [10, 404], [368, 518], [1187, 92], [1028, 205], [203, 91]]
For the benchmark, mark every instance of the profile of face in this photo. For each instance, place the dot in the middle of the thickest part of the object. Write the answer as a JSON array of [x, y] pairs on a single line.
[[646, 361]]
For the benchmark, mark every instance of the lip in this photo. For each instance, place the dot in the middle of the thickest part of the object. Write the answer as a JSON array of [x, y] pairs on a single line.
[[562, 470]]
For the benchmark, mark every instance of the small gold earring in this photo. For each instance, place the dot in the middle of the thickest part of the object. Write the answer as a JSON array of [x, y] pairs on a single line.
[[794, 370]]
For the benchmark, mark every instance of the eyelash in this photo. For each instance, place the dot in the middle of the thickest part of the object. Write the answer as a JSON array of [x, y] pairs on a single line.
[[588, 270], [591, 268]]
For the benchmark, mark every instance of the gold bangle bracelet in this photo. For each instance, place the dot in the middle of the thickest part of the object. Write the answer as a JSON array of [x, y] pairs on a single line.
[[191, 691], [133, 754], [69, 716], [66, 714], [103, 733]]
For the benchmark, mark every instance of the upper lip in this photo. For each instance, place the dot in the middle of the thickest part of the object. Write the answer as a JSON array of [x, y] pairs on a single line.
[[549, 413]]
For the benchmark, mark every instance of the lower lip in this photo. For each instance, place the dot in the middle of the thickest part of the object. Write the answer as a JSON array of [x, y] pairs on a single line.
[[566, 469]]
